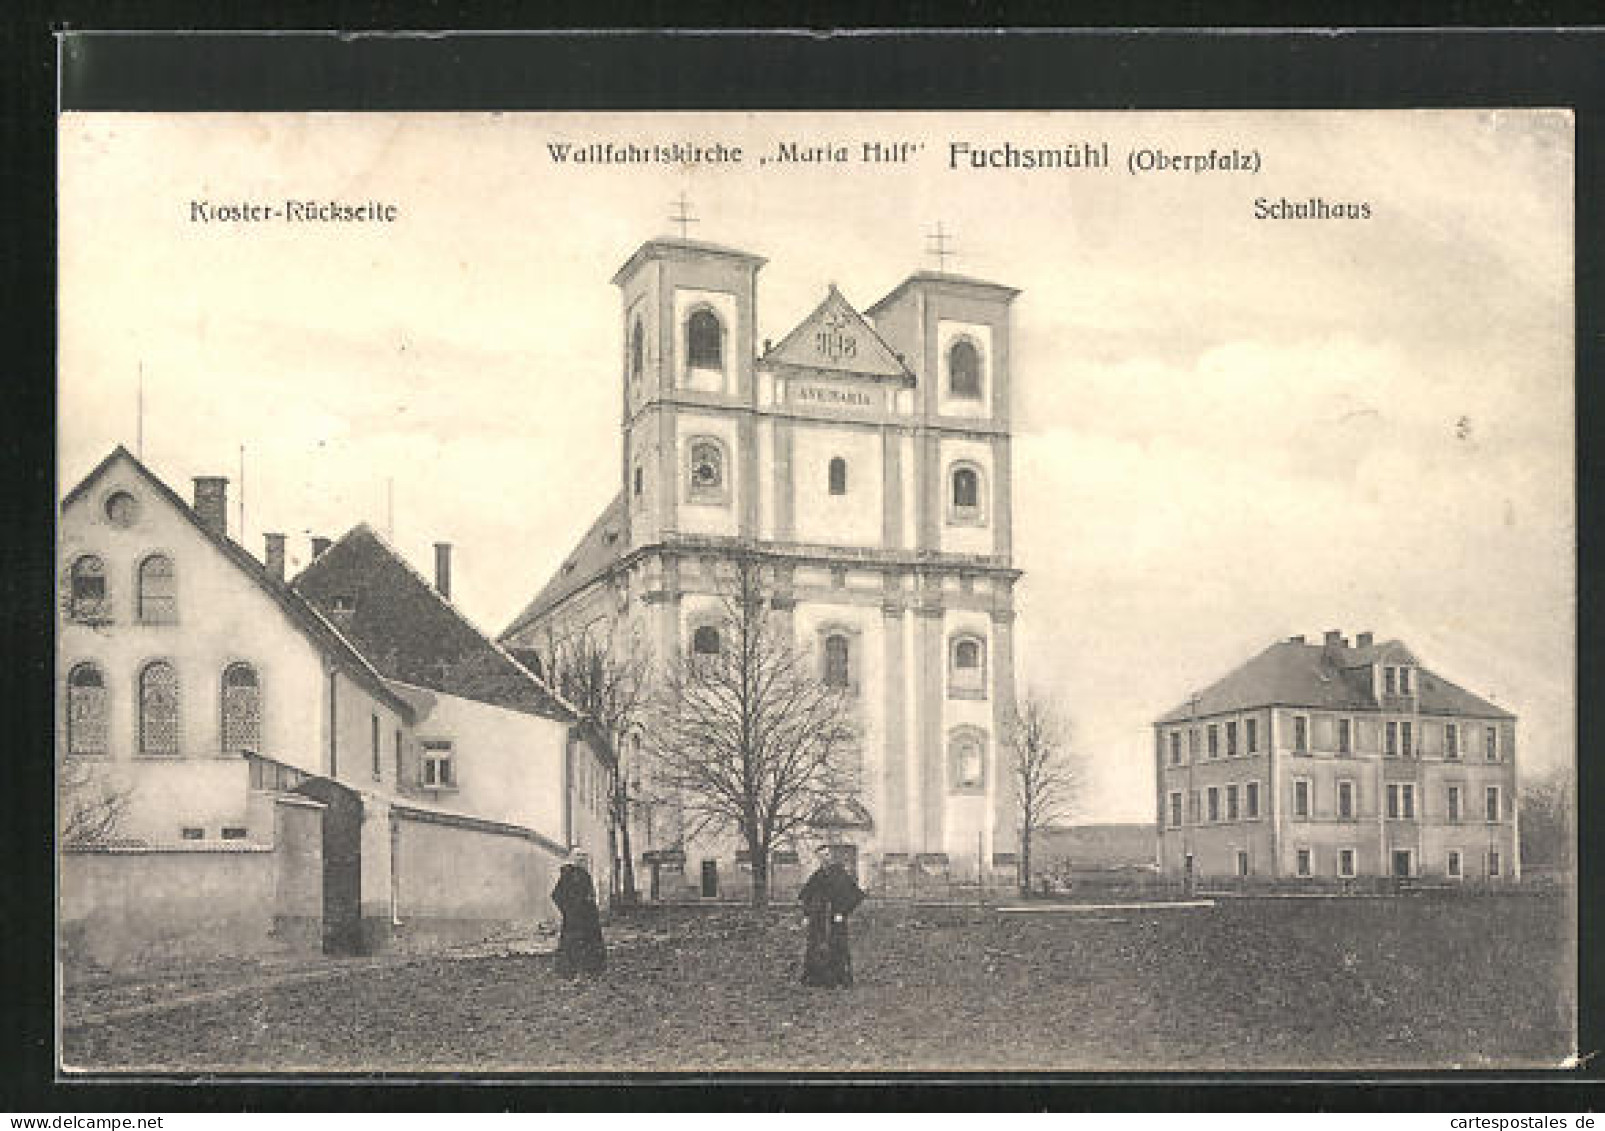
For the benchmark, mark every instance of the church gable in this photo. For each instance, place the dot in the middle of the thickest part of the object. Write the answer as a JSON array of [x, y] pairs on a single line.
[[836, 337]]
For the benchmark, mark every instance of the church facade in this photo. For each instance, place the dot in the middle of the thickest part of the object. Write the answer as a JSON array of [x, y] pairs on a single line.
[[865, 459]]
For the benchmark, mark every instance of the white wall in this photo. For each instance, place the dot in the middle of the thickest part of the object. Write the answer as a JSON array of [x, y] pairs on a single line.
[[853, 519]]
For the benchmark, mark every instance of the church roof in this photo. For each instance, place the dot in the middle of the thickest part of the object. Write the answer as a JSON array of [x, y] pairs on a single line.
[[310, 621], [672, 247], [414, 635], [836, 337], [602, 545], [1330, 677], [966, 282]]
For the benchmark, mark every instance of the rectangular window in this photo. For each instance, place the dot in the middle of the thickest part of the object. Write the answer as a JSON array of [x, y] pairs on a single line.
[[1252, 727], [1454, 803], [1393, 801], [1451, 741], [1242, 863], [439, 771], [1231, 803], [1388, 682], [1404, 681], [397, 755], [373, 736], [1192, 807], [1301, 734], [1192, 743], [1231, 740], [1405, 740], [1491, 803], [1214, 741], [1392, 747], [1175, 810], [1454, 865], [1407, 797], [1214, 803], [1493, 862], [1251, 800], [1491, 743], [1301, 798], [1345, 737], [1175, 748], [1303, 865], [233, 832], [1346, 863], [191, 833], [1345, 791]]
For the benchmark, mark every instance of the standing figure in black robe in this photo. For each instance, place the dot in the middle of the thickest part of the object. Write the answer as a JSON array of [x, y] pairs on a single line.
[[829, 896], [579, 945]]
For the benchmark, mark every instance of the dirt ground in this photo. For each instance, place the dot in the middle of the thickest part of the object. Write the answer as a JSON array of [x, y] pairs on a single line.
[[1415, 981]]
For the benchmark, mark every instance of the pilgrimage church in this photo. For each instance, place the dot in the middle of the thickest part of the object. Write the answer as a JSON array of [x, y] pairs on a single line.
[[865, 456]]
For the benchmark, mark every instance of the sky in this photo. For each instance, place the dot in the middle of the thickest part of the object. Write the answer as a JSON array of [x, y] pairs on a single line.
[[1229, 429]]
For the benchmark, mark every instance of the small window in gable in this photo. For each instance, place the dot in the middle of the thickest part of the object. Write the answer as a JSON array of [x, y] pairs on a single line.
[[86, 710], [158, 590], [242, 710], [704, 340], [87, 590], [122, 509], [964, 370], [838, 476]]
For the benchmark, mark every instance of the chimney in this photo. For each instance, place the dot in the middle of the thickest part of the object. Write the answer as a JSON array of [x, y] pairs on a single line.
[[1334, 638], [1295, 639], [274, 552], [211, 503], [320, 546], [1363, 640], [443, 569]]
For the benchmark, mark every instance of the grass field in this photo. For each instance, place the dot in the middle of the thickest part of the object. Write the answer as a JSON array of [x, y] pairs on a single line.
[[1409, 982]]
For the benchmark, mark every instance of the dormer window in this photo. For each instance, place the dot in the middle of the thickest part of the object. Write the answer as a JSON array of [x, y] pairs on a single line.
[[1390, 681], [704, 340]]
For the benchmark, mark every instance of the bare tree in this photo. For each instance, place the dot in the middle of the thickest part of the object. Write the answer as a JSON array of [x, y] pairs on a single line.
[[1044, 777], [750, 738], [90, 809], [613, 687]]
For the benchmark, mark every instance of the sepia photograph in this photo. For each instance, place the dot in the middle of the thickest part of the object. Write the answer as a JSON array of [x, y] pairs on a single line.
[[778, 592]]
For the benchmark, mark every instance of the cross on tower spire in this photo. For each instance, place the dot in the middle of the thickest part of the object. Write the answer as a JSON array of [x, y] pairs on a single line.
[[937, 245], [682, 214]]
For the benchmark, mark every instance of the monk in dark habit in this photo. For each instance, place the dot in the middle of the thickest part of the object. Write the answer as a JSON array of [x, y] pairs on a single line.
[[579, 945], [829, 896]]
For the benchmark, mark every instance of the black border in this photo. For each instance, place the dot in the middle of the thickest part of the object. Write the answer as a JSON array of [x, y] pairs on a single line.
[[1154, 68]]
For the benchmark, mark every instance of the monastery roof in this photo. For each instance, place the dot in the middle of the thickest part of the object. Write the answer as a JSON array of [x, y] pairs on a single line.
[[414, 635], [312, 624], [1330, 677], [602, 545]]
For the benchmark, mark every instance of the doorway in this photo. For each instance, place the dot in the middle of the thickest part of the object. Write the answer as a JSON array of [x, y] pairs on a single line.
[[342, 864], [1401, 863], [710, 879]]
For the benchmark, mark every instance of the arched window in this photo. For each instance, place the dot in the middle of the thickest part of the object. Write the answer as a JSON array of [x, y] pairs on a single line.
[[242, 710], [838, 661], [838, 476], [705, 641], [965, 497], [704, 340], [88, 589], [964, 370], [966, 671], [637, 351], [158, 709], [86, 710], [967, 759], [706, 471], [158, 591]]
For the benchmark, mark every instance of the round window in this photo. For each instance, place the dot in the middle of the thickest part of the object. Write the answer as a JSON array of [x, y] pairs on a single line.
[[122, 509]]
